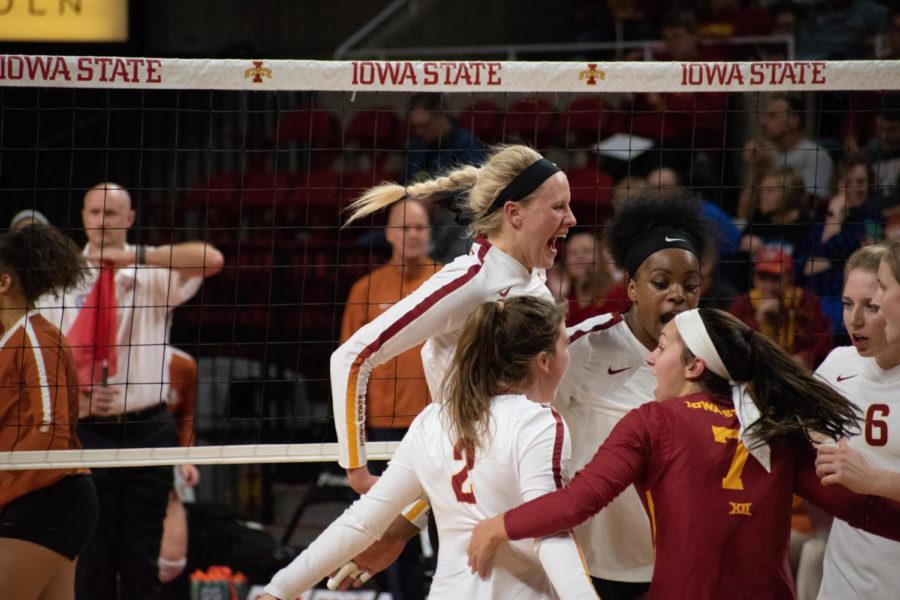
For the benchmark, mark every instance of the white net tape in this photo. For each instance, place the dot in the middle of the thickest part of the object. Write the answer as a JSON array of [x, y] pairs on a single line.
[[445, 76]]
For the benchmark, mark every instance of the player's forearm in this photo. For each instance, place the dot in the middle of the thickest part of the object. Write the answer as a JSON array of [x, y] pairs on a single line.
[[561, 559], [194, 258], [339, 543], [886, 484], [348, 402]]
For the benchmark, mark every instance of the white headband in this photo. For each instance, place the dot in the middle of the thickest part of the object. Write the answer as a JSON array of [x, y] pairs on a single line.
[[29, 213], [695, 336]]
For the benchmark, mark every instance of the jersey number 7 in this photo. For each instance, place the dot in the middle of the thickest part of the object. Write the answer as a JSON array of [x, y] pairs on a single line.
[[458, 481], [732, 481]]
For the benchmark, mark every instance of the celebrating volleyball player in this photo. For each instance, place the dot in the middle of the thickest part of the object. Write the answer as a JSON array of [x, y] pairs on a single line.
[[518, 207], [716, 460], [859, 564], [492, 443], [657, 238], [843, 464], [46, 516]]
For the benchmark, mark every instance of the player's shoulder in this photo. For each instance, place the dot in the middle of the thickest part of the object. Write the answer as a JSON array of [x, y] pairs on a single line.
[[839, 359], [517, 416], [600, 329]]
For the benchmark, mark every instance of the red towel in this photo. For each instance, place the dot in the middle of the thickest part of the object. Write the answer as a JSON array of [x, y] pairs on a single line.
[[92, 336]]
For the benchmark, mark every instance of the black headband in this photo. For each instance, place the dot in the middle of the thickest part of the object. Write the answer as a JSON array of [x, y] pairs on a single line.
[[525, 182], [655, 240]]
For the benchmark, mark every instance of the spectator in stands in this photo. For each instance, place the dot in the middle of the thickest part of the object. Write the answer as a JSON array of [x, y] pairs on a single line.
[[729, 235], [840, 29], [883, 154], [678, 121], [785, 313], [587, 275], [437, 144], [627, 188], [778, 216], [782, 143], [397, 390], [129, 409], [715, 289], [785, 20], [728, 18], [840, 228]]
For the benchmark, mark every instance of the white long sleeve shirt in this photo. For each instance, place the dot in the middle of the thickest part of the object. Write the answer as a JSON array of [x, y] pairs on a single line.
[[607, 377], [435, 314], [145, 297], [528, 455], [860, 565]]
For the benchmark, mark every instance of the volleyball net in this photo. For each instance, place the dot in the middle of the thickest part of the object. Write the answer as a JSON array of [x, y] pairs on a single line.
[[259, 158]]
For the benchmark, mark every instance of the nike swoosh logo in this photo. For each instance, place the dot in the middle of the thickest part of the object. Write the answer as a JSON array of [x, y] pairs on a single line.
[[668, 239], [612, 371], [841, 378], [505, 293]]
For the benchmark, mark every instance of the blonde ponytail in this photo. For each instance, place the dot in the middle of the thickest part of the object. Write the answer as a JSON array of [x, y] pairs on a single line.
[[483, 184]]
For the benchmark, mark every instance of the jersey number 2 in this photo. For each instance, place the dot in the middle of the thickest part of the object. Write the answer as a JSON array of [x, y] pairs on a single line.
[[459, 479], [732, 481], [876, 429]]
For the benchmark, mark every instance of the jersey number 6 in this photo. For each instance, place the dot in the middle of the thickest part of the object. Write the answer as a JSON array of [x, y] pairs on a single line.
[[876, 429], [459, 479], [732, 481]]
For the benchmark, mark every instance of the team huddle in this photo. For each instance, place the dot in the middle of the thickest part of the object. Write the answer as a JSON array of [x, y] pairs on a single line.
[[689, 432], [653, 453]]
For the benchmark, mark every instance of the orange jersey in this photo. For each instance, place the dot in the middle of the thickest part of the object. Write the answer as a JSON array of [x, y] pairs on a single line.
[[38, 401], [397, 390], [182, 399]]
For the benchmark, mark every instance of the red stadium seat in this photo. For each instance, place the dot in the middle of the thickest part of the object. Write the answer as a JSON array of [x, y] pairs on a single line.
[[374, 129], [588, 120], [591, 195], [308, 128], [530, 120], [482, 118], [311, 202]]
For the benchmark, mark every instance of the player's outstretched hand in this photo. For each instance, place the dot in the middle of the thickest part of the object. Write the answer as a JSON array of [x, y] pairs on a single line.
[[844, 465], [375, 558], [486, 538], [361, 480]]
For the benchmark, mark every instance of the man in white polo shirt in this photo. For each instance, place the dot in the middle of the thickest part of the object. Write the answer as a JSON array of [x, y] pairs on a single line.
[[129, 410]]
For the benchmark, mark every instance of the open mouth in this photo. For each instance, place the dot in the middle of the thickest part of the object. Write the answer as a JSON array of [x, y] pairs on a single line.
[[554, 242], [668, 316], [858, 339]]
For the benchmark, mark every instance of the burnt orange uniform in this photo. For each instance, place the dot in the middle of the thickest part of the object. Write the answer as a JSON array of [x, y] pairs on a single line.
[[38, 401], [182, 400], [397, 390]]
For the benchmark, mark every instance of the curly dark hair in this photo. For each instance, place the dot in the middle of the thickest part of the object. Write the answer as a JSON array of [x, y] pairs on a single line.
[[42, 260], [654, 209]]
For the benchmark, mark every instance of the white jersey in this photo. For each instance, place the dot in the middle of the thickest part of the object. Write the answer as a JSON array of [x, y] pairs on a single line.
[[528, 455], [435, 314], [860, 565], [145, 297], [608, 376]]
